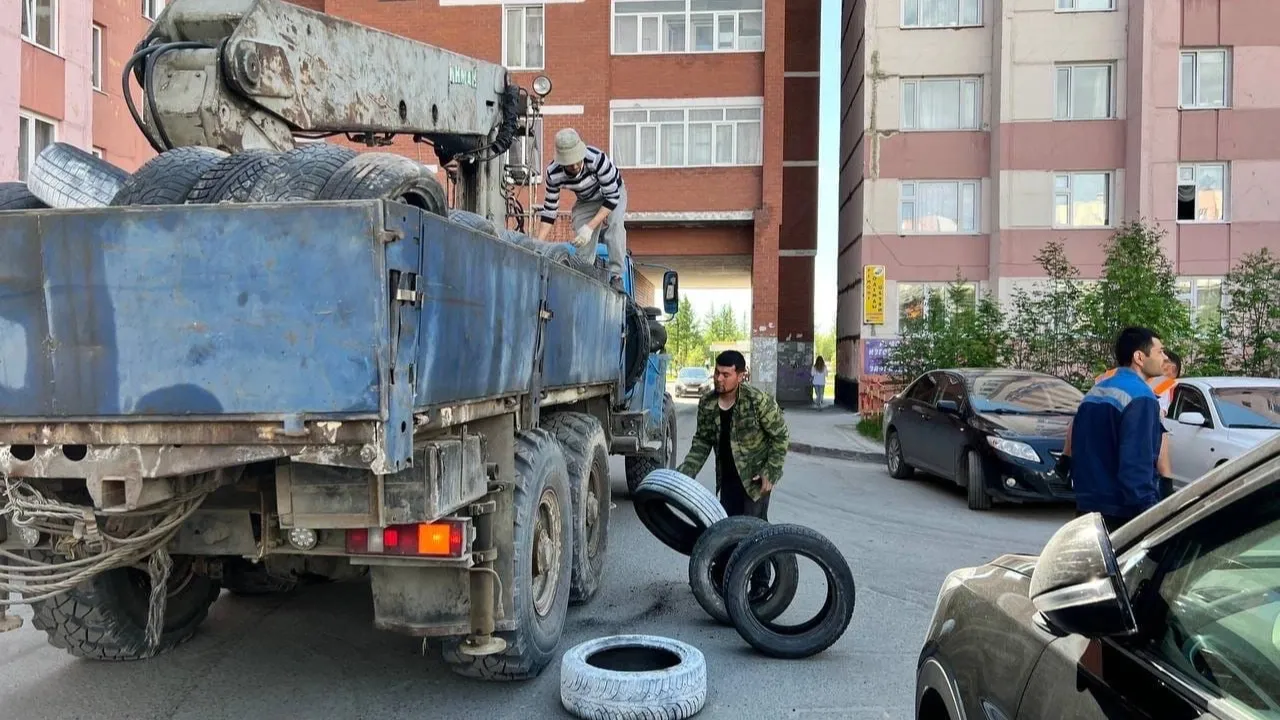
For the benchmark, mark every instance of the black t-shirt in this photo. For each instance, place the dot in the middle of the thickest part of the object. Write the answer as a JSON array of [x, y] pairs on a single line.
[[724, 452]]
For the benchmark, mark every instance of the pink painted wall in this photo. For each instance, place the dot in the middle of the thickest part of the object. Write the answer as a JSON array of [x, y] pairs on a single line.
[[75, 44], [10, 60]]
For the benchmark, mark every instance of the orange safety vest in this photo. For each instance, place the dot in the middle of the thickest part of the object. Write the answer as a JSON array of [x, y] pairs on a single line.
[[1159, 385]]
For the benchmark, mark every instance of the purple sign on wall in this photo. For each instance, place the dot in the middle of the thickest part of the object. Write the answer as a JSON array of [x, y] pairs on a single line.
[[875, 355]]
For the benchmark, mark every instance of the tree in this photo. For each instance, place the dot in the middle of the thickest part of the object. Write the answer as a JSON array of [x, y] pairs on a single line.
[[684, 336], [722, 326], [824, 345], [1045, 325], [958, 327], [1251, 315]]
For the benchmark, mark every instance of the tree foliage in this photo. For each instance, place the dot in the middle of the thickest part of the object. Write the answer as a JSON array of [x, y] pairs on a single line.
[[1251, 315], [685, 340]]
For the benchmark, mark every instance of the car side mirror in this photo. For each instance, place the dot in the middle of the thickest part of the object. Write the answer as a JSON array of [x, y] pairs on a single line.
[[1193, 418], [950, 407], [671, 292], [1076, 585]]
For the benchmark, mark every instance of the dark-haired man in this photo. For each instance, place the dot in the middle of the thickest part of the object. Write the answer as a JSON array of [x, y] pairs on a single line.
[[1116, 434], [745, 428]]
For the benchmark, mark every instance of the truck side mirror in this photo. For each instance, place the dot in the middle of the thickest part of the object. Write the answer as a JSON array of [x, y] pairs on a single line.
[[670, 292]]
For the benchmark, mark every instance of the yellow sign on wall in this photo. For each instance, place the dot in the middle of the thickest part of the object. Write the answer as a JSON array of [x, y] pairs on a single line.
[[873, 294]]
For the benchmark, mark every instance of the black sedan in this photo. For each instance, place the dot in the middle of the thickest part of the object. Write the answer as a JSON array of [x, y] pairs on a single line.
[[997, 433]]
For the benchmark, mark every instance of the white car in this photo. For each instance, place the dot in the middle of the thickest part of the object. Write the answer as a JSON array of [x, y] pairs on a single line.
[[1214, 419]]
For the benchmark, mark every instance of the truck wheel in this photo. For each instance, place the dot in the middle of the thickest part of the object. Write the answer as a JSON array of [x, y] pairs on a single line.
[[105, 617], [167, 178], [636, 351], [302, 173], [246, 579], [542, 566], [639, 466], [587, 455], [16, 196], [64, 176], [232, 178], [385, 176]]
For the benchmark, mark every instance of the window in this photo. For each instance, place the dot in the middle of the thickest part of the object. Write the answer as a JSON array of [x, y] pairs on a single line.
[[96, 73], [151, 9], [1082, 200], [680, 26], [1202, 192], [938, 206], [1085, 5], [951, 389], [98, 152], [40, 23], [1084, 92], [525, 37], [941, 104], [34, 135], [524, 155], [914, 299], [941, 13], [1202, 296], [1204, 78], [687, 137], [1188, 399], [924, 390]]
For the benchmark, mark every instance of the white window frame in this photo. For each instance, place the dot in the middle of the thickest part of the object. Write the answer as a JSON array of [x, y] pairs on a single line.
[[151, 9], [909, 194], [97, 66], [1196, 283], [1195, 54], [687, 105], [1070, 6], [97, 152], [1195, 169], [31, 119], [688, 30], [1069, 193], [1071, 69], [912, 85], [30, 7], [905, 4], [523, 9], [930, 288]]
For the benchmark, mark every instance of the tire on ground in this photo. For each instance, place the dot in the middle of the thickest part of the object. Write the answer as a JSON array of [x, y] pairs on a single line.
[[16, 196], [541, 475], [676, 509], [789, 641], [711, 556], [301, 174], [232, 178], [392, 177], [638, 467], [633, 676], [105, 617], [894, 457], [64, 176], [167, 178], [976, 483], [586, 454], [246, 579]]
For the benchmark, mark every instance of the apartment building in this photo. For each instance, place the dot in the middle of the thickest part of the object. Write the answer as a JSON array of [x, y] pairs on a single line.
[[975, 131]]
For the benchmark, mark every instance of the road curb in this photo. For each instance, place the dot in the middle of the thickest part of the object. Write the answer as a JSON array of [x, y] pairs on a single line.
[[837, 453]]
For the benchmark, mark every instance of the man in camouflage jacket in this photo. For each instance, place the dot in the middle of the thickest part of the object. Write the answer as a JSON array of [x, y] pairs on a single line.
[[745, 428]]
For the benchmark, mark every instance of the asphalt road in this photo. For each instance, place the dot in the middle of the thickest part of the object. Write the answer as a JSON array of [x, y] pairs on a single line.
[[315, 654]]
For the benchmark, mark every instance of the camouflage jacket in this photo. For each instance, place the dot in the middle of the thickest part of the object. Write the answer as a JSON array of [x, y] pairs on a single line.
[[759, 438]]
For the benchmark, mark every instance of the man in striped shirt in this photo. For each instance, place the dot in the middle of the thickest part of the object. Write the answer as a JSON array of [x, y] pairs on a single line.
[[601, 200]]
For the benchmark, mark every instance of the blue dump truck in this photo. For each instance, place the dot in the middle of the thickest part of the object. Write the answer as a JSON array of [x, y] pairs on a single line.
[[257, 364]]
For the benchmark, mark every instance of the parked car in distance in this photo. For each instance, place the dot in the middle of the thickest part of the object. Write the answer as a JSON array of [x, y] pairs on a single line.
[[1174, 615], [1213, 419], [997, 433], [693, 381]]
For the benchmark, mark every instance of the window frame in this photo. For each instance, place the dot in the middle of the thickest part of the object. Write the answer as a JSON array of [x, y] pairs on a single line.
[[1070, 192], [97, 66], [914, 84], [1112, 95], [1196, 53], [97, 152], [1192, 299], [1226, 191], [930, 287], [688, 30], [523, 9], [54, 25], [930, 377], [32, 153], [902, 16], [153, 5], [1058, 8], [1184, 390], [754, 104], [914, 200]]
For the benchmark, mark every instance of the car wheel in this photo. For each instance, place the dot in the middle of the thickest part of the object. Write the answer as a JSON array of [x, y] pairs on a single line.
[[976, 483], [898, 467]]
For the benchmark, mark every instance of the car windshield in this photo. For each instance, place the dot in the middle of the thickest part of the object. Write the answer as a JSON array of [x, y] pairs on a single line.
[[1249, 407], [694, 374], [1022, 394]]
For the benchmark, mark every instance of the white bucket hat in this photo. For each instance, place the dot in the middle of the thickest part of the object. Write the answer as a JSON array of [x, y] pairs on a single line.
[[569, 147]]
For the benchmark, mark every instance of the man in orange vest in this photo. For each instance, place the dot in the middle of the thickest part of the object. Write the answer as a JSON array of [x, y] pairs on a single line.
[[1162, 386]]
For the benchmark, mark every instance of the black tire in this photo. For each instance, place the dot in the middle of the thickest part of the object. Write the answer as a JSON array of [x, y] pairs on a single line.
[[386, 176], [474, 221], [16, 196], [586, 454], [663, 490], [167, 178], [628, 677], [638, 467], [657, 337], [638, 340], [64, 176], [976, 483], [233, 178], [541, 472], [105, 618], [811, 637], [710, 558], [247, 579], [301, 174], [894, 459]]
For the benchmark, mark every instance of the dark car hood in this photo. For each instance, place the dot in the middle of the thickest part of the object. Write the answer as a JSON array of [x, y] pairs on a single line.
[[1052, 427]]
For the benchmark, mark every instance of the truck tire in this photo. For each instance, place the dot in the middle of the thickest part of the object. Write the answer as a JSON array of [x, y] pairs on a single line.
[[16, 196], [586, 453], [301, 174], [638, 467], [636, 351], [711, 556], [64, 176], [628, 677], [105, 617], [662, 495], [247, 579], [232, 178], [657, 337], [811, 637], [167, 178], [474, 221], [390, 177], [543, 526]]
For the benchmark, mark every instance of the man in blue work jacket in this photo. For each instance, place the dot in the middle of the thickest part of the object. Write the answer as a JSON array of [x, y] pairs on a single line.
[[1116, 434]]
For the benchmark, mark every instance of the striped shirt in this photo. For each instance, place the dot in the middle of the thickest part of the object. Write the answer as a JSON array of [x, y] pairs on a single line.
[[599, 181]]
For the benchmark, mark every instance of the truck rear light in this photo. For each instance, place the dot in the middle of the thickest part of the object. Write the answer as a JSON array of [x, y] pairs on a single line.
[[437, 539]]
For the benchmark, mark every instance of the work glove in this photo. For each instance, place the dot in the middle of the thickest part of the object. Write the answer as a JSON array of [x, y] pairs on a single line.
[[584, 240]]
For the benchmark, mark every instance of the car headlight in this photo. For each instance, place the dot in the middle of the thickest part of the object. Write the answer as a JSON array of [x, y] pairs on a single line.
[[1013, 448]]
